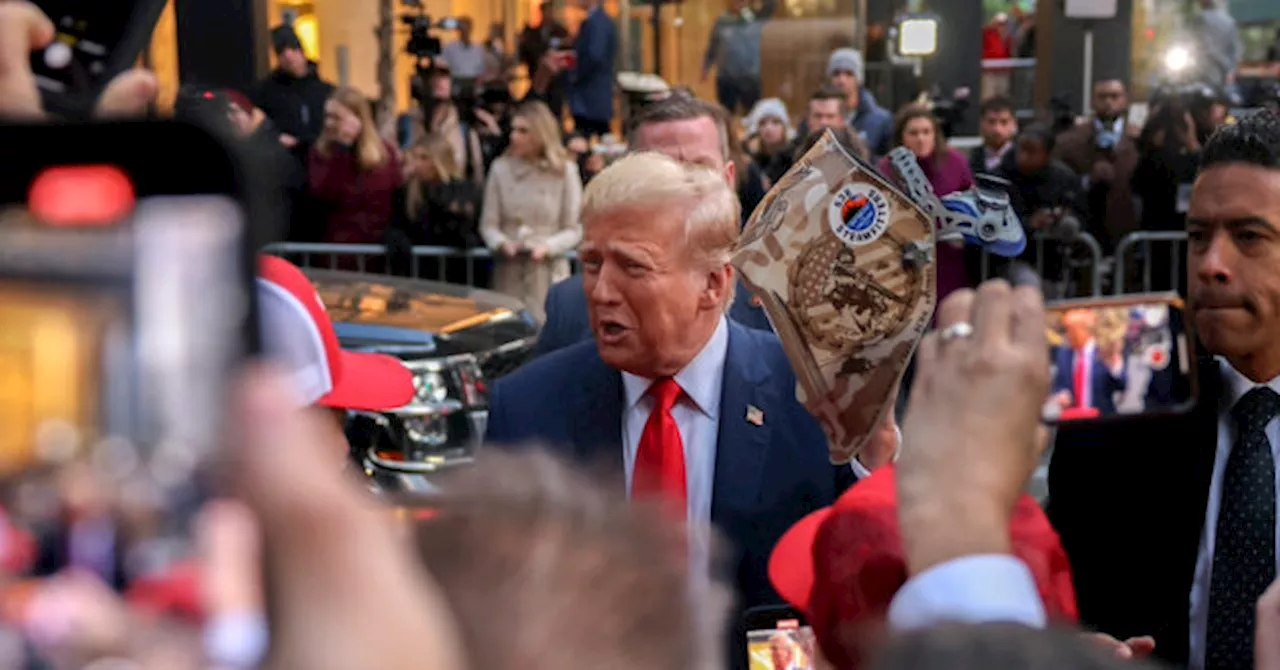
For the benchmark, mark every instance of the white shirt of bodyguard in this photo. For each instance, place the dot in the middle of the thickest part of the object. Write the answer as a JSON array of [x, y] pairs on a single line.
[[1234, 386]]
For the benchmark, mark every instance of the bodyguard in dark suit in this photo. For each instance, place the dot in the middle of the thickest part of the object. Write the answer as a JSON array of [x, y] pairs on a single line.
[[591, 79], [1170, 523], [680, 403]]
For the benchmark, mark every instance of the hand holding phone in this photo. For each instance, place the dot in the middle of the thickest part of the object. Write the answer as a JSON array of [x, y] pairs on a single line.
[[1118, 357]]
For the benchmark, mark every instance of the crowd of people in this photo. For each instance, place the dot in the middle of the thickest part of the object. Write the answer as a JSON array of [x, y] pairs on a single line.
[[651, 474]]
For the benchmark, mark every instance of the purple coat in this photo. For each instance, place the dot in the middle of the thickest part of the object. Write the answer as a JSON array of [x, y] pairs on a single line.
[[948, 173]]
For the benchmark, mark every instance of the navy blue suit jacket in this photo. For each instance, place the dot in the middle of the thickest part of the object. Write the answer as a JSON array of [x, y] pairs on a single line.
[[767, 477], [591, 80], [1102, 384], [567, 324]]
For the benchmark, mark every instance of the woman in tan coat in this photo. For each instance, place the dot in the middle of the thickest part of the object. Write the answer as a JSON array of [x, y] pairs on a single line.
[[530, 214]]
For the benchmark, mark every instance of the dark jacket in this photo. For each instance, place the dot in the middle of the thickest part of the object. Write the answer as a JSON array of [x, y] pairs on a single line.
[[446, 218], [295, 105], [767, 476], [591, 81], [1128, 498], [1110, 205]]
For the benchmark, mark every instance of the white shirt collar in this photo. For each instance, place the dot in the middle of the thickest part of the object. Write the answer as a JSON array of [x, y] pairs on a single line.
[[1236, 385], [700, 379]]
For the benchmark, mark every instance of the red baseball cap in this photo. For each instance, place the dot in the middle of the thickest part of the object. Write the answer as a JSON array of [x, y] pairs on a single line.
[[842, 565], [297, 332]]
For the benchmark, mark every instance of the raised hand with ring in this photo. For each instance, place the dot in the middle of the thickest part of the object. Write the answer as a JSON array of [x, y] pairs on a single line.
[[972, 435]]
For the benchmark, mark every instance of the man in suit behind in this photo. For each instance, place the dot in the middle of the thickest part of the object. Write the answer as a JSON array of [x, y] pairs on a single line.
[[591, 79], [1086, 378], [1170, 523], [688, 130], [682, 404]]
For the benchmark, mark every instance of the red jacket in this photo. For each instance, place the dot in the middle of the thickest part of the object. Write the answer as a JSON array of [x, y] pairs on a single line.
[[357, 205]]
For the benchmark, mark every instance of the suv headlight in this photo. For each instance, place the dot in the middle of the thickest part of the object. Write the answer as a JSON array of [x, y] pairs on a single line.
[[430, 387]]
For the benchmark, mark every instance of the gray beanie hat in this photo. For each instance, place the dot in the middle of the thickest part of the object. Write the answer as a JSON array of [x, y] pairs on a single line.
[[845, 60]]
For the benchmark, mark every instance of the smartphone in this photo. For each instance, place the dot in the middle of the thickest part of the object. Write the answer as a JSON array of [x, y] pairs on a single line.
[[127, 304], [1119, 357], [93, 42], [778, 638]]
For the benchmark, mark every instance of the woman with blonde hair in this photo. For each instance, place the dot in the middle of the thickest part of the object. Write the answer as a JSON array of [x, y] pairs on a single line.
[[352, 172], [437, 207], [530, 214]]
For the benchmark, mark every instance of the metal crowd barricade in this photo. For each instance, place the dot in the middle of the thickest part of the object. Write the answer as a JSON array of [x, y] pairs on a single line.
[[304, 254], [1070, 266], [1140, 246], [425, 262]]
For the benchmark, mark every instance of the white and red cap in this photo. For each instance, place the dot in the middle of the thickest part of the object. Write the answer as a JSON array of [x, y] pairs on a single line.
[[297, 333]]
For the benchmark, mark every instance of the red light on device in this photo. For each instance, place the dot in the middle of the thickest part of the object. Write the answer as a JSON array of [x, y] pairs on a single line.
[[81, 195]]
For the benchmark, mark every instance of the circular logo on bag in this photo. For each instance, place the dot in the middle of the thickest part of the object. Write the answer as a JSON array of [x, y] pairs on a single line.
[[859, 214]]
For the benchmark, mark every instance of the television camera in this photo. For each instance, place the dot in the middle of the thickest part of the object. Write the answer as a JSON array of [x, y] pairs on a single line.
[[422, 44]]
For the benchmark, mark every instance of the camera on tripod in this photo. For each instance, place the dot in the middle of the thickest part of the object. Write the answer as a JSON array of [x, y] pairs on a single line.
[[422, 43]]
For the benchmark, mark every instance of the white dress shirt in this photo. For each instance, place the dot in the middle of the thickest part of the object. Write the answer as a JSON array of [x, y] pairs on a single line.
[[975, 589], [1234, 386]]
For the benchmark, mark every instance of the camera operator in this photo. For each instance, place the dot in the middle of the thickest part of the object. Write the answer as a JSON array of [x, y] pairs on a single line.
[[438, 113], [1102, 153], [1045, 194], [1169, 148]]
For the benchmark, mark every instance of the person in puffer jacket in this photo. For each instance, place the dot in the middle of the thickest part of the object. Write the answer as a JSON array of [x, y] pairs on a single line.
[[871, 121]]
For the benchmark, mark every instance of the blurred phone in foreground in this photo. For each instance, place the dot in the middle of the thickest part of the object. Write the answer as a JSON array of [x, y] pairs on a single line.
[[778, 638], [125, 309], [1114, 357]]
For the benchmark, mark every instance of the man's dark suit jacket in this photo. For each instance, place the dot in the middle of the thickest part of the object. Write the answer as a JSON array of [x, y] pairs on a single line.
[[566, 310], [591, 80], [767, 477], [1104, 386], [1128, 497]]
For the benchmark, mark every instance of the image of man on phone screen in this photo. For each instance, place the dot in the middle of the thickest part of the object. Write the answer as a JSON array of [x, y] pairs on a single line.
[[1087, 373]]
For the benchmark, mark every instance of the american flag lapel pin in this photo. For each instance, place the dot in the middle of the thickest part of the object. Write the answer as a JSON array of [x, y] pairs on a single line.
[[755, 415]]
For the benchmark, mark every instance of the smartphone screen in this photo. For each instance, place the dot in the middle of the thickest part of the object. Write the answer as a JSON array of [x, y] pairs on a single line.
[[1117, 357], [87, 36], [118, 343], [781, 642]]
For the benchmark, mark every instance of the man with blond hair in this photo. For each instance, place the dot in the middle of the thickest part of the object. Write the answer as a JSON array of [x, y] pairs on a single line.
[[688, 408]]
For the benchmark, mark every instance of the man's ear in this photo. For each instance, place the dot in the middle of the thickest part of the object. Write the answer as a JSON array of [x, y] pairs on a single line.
[[731, 174], [720, 283]]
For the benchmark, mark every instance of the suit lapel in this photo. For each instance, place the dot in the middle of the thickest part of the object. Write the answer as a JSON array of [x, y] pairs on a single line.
[[741, 445], [597, 417]]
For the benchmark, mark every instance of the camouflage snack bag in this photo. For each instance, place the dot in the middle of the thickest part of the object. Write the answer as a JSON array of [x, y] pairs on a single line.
[[843, 264]]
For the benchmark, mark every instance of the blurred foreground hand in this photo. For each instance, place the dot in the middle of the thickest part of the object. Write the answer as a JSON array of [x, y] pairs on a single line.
[[23, 29], [346, 591], [972, 432]]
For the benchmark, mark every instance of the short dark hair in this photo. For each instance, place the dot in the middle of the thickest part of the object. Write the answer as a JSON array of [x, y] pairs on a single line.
[[1040, 133], [680, 106], [995, 104], [520, 531], [826, 93], [1254, 139]]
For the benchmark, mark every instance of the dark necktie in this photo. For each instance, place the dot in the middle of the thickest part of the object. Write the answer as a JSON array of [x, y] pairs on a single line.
[[1244, 547]]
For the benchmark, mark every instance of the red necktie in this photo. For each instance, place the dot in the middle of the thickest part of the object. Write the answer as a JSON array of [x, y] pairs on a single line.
[[659, 468], [1079, 379]]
